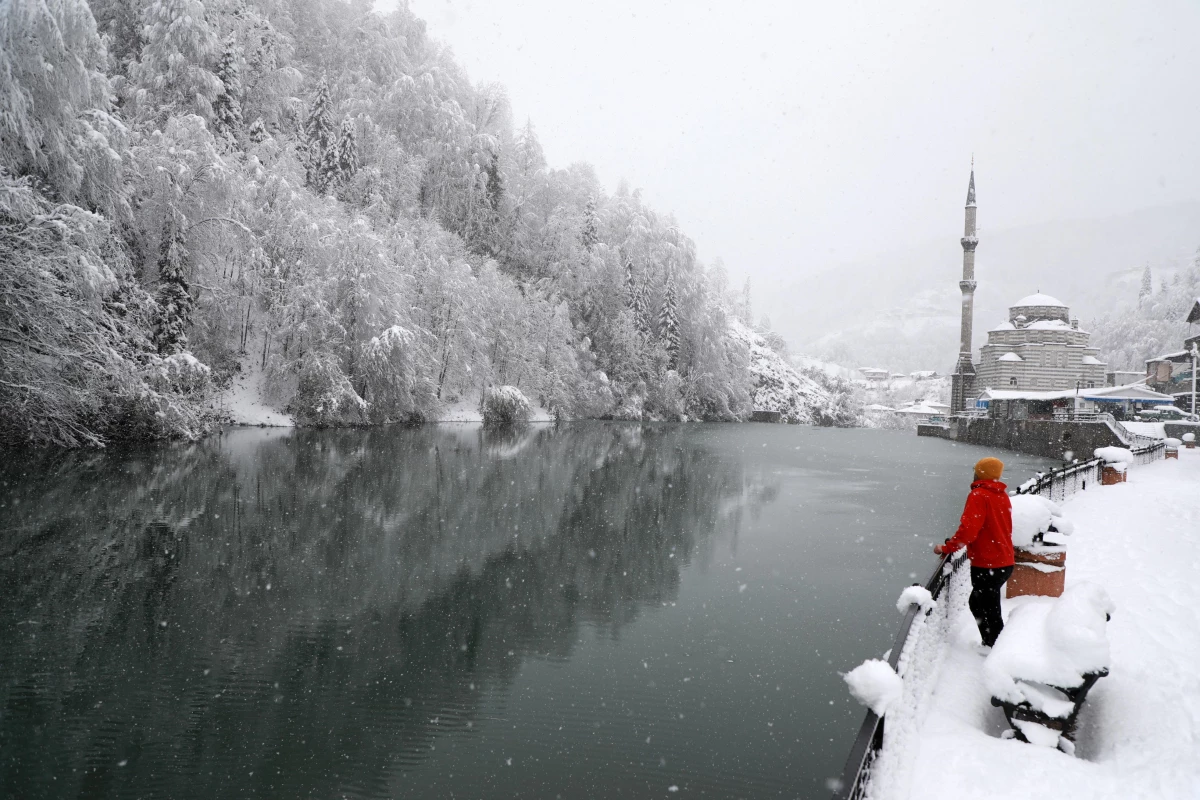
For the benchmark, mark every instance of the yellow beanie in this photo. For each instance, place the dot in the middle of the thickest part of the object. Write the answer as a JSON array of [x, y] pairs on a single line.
[[989, 469]]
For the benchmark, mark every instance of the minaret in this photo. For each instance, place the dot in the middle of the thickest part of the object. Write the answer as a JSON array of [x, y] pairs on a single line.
[[963, 381]]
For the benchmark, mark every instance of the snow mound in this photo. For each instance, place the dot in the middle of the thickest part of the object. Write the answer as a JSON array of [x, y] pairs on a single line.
[[915, 596], [875, 684], [1120, 457], [1053, 642], [1033, 515], [777, 386]]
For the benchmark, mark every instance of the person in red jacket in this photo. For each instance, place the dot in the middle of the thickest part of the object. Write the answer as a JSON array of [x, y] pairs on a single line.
[[986, 531]]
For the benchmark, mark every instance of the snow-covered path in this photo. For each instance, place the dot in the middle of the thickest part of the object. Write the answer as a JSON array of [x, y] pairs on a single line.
[[1139, 734]]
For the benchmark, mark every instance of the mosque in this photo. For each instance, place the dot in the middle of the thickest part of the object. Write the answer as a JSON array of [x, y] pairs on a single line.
[[1040, 348]]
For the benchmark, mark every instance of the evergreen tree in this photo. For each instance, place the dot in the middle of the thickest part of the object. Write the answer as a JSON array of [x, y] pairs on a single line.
[[227, 108], [346, 152], [495, 183], [1147, 285], [641, 308], [590, 235], [258, 131], [668, 321], [630, 284], [320, 168], [174, 298]]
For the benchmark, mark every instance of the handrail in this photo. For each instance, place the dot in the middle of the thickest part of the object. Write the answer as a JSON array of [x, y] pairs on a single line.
[[1064, 482], [868, 743]]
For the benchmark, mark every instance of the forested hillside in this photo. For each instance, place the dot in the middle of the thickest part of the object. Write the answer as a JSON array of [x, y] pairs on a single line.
[[191, 189], [1150, 324]]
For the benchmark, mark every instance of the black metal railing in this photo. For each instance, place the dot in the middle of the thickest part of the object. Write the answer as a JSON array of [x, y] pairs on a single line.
[[1059, 484], [1056, 485], [868, 743]]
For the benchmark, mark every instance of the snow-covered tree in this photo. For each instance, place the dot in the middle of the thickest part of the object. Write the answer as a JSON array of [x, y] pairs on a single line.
[[227, 108], [668, 320], [641, 308], [346, 151], [1147, 287], [57, 122], [258, 131], [590, 235], [173, 75], [320, 161], [174, 296]]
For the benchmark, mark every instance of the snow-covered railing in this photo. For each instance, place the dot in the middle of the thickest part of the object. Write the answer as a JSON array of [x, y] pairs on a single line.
[[901, 658], [1150, 452], [1059, 484]]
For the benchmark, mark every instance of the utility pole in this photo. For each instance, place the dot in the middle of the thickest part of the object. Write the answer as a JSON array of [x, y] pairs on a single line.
[[1195, 354]]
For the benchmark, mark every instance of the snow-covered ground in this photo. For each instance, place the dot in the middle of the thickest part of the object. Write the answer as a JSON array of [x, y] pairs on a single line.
[[243, 402], [1139, 731]]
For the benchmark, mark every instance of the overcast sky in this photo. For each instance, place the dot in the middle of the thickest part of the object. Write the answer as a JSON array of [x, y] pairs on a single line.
[[789, 136]]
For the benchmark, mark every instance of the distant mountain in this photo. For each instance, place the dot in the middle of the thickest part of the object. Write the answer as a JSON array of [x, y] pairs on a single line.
[[901, 310]]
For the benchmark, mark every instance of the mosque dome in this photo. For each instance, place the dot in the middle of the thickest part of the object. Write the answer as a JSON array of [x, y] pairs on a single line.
[[1038, 299]]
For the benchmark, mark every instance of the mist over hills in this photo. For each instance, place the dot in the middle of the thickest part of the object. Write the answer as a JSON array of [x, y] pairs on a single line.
[[901, 310]]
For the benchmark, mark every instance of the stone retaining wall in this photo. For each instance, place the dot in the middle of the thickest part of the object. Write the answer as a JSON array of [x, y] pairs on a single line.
[[1047, 438]]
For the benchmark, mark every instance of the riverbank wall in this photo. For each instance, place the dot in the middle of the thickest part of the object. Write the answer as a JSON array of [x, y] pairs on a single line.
[[1037, 437]]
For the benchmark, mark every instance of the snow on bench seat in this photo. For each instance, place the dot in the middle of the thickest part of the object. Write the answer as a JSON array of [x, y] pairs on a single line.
[[1050, 653]]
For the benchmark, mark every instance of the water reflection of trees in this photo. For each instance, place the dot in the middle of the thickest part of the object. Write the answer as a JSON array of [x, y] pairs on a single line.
[[303, 606]]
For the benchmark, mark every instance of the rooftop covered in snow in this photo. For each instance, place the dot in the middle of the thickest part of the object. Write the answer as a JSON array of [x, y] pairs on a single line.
[[1038, 299], [1134, 393]]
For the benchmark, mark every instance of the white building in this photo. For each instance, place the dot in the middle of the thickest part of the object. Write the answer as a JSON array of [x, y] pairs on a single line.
[[1039, 347]]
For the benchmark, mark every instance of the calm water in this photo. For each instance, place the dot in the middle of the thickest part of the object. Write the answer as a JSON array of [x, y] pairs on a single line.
[[594, 610]]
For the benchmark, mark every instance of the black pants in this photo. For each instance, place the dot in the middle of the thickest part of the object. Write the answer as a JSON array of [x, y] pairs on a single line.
[[985, 600]]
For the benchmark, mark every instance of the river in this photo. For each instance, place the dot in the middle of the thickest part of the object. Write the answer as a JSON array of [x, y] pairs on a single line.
[[589, 610]]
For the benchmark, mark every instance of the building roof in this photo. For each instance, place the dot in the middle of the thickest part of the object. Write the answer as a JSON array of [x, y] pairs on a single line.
[[1194, 314], [1179, 356], [1130, 391], [1038, 299], [923, 410], [1136, 392], [971, 188], [1091, 361], [1049, 324], [1004, 326], [1010, 356], [1024, 394]]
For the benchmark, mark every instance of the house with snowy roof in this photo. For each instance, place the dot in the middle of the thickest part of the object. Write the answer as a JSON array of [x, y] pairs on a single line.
[[1039, 347], [874, 373], [1172, 372]]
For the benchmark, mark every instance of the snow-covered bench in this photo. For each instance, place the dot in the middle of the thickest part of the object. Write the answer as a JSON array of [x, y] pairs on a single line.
[[1049, 655]]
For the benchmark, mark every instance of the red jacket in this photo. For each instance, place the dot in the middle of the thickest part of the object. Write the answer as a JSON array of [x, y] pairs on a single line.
[[986, 526]]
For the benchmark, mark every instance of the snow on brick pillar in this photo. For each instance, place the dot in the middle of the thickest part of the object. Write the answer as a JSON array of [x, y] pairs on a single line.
[[963, 380]]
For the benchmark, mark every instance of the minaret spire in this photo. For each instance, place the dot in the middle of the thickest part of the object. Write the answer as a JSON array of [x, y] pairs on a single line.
[[963, 381]]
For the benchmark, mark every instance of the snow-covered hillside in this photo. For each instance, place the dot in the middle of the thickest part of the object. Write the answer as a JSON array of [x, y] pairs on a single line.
[[778, 386]]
